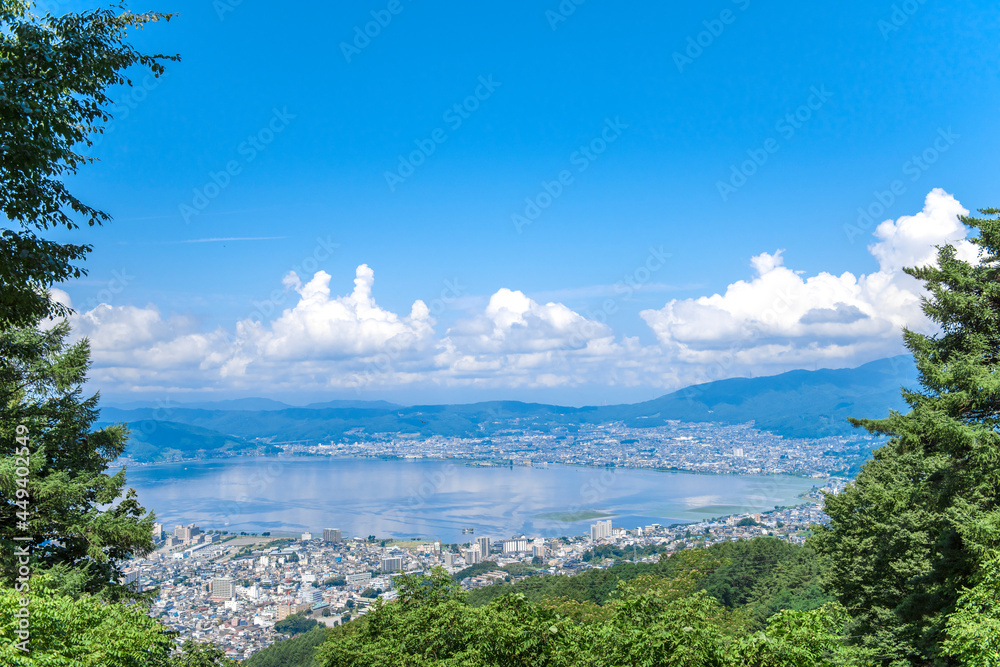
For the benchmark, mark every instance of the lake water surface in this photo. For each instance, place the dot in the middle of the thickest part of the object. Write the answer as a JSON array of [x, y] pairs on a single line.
[[437, 499]]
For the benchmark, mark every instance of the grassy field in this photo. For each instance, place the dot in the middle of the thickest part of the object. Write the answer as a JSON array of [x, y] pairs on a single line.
[[407, 544]]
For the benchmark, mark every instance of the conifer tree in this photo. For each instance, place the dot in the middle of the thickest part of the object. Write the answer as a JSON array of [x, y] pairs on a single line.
[[55, 76], [921, 518], [80, 527]]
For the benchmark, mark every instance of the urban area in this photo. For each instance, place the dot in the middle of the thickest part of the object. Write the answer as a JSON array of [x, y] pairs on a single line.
[[232, 589], [700, 447]]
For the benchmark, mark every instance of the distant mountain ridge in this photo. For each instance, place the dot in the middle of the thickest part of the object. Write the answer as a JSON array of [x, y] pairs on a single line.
[[806, 404], [797, 403]]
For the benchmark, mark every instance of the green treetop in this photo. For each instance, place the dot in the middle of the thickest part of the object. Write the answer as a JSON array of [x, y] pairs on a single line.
[[55, 73], [922, 517]]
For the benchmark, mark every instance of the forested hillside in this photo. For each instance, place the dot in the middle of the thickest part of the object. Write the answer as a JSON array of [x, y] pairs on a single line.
[[650, 619], [297, 651], [152, 440], [762, 576], [802, 404]]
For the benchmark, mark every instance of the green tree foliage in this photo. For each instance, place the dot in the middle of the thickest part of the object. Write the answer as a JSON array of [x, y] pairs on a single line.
[[295, 624], [80, 533], [665, 622], [764, 574], [56, 72], [54, 76], [196, 654], [767, 575], [973, 630], [919, 521], [611, 551], [85, 631], [651, 620], [802, 639], [476, 570], [299, 651]]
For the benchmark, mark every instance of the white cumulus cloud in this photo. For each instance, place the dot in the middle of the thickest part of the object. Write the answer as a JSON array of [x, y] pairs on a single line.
[[512, 323], [518, 342], [780, 319], [331, 340], [321, 326]]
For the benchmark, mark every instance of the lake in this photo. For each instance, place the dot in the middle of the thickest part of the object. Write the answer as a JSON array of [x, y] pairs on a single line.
[[437, 499]]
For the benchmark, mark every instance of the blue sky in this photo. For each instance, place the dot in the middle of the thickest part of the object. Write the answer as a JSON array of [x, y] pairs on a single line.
[[679, 144]]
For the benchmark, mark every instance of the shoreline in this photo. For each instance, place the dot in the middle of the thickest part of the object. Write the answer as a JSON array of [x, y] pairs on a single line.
[[468, 462]]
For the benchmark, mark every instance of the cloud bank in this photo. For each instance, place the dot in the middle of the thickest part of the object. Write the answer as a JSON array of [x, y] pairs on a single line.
[[775, 320]]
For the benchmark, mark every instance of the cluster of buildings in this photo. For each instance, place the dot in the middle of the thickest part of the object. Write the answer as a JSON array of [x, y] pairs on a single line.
[[232, 590], [699, 447], [600, 530], [190, 537], [483, 549]]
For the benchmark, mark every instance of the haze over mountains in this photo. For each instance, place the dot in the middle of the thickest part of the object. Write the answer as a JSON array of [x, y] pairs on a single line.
[[253, 403], [803, 404]]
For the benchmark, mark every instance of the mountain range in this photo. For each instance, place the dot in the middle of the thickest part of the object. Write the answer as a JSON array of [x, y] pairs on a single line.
[[801, 403]]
